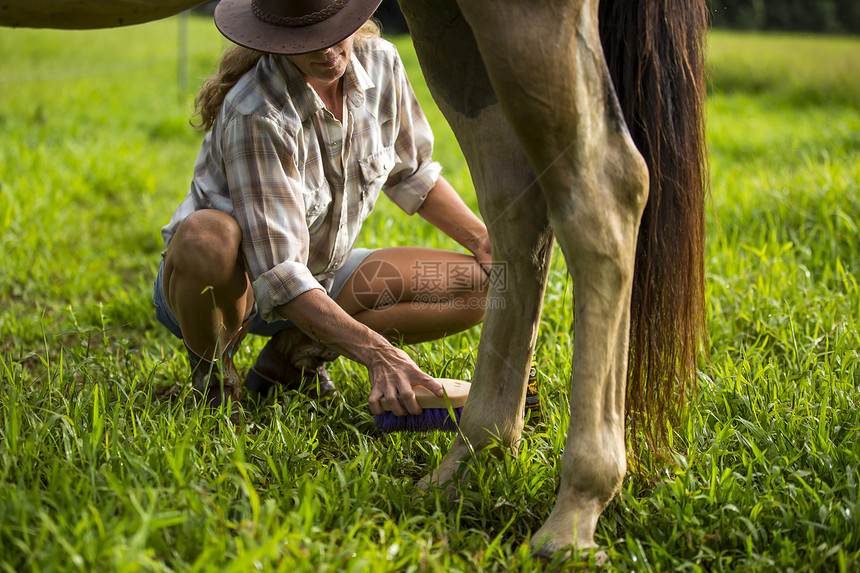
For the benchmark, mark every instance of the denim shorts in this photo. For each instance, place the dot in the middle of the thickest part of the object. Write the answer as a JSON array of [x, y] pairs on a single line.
[[165, 315]]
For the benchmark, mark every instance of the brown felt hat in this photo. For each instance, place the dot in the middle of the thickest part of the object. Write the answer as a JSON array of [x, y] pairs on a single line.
[[291, 26]]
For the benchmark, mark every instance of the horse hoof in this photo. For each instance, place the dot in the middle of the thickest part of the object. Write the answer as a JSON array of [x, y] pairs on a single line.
[[587, 558]]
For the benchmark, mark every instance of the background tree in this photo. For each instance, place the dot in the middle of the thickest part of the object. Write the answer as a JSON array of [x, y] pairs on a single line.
[[824, 16]]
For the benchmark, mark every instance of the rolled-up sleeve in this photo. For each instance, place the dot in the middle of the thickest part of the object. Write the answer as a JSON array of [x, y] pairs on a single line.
[[414, 173], [266, 192]]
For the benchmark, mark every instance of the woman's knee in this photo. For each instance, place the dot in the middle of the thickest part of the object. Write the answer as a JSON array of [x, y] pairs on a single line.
[[206, 243], [208, 234]]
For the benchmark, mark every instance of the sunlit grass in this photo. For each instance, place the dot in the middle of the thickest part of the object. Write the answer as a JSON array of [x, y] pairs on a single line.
[[105, 464], [802, 68]]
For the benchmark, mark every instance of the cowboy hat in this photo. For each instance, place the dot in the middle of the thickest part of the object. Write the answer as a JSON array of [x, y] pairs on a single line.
[[291, 26]]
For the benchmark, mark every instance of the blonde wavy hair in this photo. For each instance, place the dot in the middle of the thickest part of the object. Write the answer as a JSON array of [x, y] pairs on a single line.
[[236, 61]]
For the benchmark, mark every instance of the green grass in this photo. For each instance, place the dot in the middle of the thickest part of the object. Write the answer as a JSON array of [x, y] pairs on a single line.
[[802, 68], [103, 465]]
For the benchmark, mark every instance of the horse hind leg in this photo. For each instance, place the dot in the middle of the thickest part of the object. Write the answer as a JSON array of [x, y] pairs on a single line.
[[546, 64], [515, 212]]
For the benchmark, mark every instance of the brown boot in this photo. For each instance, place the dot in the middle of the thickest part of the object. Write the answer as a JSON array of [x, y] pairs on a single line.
[[216, 382], [295, 362]]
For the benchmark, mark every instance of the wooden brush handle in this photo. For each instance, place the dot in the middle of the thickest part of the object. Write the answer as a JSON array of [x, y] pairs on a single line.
[[457, 391]]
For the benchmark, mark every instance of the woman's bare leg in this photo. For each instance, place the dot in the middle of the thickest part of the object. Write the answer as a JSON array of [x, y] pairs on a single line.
[[407, 294], [415, 294], [206, 286], [205, 282]]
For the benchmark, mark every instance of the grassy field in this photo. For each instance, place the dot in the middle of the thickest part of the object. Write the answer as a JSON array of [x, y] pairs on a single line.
[[103, 466]]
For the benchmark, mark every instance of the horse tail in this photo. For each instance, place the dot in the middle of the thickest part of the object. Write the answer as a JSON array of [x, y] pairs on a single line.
[[655, 53]]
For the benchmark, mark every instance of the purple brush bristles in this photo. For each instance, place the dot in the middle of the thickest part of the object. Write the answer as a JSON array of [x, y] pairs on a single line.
[[429, 420]]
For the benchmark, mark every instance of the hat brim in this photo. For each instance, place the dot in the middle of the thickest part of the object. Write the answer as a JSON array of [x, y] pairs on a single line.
[[236, 20]]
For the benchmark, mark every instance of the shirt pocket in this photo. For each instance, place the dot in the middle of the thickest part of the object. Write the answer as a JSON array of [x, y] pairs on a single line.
[[317, 202], [375, 169]]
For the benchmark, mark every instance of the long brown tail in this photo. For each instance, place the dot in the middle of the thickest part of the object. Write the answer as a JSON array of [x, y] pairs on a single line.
[[655, 53]]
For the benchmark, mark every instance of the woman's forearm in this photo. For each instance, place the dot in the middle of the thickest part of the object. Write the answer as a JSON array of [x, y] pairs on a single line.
[[444, 209], [318, 316], [391, 372]]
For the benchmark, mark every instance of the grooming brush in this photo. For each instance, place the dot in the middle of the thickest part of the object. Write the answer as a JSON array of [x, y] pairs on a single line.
[[435, 414]]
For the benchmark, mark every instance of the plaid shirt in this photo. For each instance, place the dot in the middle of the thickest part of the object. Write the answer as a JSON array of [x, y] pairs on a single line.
[[300, 184]]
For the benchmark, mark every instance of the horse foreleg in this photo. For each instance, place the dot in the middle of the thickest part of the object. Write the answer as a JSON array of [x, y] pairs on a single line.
[[515, 212], [521, 241], [546, 64]]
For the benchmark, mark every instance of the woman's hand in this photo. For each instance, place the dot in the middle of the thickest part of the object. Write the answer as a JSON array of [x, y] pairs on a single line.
[[480, 247], [392, 375]]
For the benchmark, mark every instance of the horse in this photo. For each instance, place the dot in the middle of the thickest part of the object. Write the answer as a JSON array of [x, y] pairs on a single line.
[[581, 122]]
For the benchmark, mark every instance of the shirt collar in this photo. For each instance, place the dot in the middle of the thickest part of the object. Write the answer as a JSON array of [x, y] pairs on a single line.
[[356, 83]]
